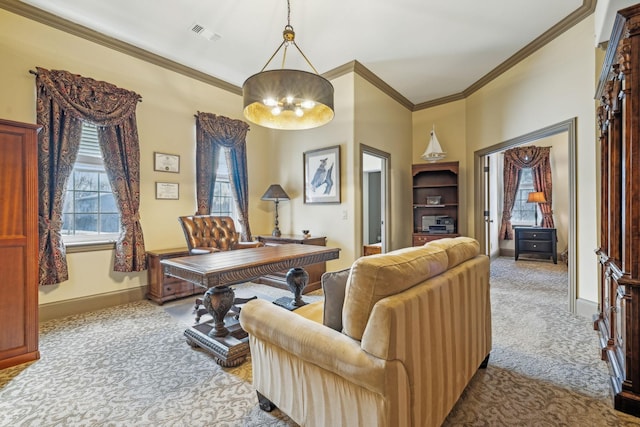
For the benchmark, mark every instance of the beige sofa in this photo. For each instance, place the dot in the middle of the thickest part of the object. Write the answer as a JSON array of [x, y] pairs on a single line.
[[416, 325]]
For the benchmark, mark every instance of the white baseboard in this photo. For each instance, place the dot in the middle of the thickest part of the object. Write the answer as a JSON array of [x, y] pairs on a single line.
[[586, 308], [54, 310]]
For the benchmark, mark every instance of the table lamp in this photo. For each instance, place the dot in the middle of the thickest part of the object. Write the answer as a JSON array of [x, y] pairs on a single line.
[[536, 197], [275, 193]]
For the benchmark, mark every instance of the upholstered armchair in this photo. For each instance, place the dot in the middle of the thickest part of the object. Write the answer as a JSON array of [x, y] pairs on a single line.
[[394, 343], [208, 233]]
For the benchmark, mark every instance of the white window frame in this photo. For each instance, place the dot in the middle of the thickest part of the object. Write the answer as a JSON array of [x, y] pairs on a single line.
[[222, 179], [528, 207], [90, 160]]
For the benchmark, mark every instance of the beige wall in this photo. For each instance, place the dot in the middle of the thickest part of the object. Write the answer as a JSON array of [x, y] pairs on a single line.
[[165, 123], [559, 161], [450, 124], [287, 156], [385, 125], [551, 86]]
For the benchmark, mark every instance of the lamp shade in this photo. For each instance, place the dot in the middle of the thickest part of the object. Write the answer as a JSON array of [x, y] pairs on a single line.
[[288, 99], [536, 197], [275, 192]]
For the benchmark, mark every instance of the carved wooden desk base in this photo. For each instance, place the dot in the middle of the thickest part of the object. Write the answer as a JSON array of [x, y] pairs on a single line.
[[227, 351], [221, 269]]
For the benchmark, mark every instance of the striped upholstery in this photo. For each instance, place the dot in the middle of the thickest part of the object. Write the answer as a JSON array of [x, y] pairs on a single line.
[[426, 328]]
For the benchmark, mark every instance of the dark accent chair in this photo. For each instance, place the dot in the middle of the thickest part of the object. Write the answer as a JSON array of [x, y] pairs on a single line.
[[207, 234]]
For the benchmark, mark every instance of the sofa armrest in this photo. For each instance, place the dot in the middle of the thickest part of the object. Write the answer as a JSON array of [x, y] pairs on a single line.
[[247, 245], [313, 343]]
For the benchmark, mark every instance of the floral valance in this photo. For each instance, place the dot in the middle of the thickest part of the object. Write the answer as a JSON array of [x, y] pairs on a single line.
[[224, 131], [88, 99]]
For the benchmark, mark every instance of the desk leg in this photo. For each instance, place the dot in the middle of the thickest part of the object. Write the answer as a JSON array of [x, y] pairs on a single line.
[[297, 279], [218, 301]]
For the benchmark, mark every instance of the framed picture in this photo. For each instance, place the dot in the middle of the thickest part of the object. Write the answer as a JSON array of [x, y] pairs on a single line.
[[322, 175], [164, 162], [167, 190]]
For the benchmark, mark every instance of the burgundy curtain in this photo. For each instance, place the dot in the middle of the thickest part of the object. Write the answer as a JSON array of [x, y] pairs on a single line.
[[515, 159], [64, 100], [213, 133]]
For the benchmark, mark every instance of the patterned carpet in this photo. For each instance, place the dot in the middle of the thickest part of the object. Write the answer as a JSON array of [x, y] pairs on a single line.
[[130, 365]]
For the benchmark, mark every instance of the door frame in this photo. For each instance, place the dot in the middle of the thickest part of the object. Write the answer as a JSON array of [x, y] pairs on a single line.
[[385, 197], [480, 187]]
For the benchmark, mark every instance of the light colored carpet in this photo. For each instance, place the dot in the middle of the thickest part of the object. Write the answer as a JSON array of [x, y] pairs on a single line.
[[130, 365]]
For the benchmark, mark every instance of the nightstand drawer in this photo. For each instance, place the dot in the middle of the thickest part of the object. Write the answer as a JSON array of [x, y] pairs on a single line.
[[535, 235], [535, 246]]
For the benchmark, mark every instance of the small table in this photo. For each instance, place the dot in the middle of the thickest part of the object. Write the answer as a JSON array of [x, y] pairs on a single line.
[[225, 340], [536, 240]]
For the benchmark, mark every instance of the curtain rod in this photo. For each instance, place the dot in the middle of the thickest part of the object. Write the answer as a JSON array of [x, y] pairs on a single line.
[[35, 73]]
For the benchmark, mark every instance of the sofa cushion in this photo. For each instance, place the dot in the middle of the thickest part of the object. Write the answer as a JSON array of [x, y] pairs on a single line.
[[378, 276], [458, 249], [333, 287]]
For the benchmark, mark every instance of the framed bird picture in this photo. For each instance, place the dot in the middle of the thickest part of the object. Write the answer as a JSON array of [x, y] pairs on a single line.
[[322, 175]]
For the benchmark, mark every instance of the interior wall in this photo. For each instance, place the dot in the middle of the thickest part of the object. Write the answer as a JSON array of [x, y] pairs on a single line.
[[537, 93], [450, 124], [335, 221], [382, 123], [559, 161], [166, 124]]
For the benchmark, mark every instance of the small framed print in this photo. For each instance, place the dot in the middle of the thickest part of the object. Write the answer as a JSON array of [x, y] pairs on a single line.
[[163, 162], [167, 190], [322, 175]]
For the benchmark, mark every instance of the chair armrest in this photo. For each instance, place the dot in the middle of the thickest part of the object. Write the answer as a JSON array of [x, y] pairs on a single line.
[[202, 251], [247, 245], [313, 343]]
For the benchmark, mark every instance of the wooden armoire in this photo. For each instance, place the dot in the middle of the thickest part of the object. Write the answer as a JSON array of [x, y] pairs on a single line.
[[618, 319], [18, 243]]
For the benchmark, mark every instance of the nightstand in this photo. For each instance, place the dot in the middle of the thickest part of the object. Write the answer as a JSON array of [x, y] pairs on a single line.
[[536, 240]]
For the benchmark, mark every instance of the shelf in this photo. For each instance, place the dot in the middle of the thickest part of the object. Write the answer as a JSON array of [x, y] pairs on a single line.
[[437, 182], [435, 186]]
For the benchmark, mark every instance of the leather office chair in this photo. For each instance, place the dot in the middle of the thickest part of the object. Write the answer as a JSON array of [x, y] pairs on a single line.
[[207, 234]]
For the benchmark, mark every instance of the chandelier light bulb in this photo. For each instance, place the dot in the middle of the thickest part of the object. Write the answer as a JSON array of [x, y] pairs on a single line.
[[308, 104], [299, 112], [276, 111], [270, 102]]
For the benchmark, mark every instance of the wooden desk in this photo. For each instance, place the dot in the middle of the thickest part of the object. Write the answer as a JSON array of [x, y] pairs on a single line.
[[315, 270], [224, 339], [160, 287]]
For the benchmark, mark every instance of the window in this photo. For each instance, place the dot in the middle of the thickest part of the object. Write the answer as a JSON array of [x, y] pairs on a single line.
[[223, 203], [524, 213], [90, 213]]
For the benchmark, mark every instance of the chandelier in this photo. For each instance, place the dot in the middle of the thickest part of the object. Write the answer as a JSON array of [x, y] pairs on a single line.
[[288, 99]]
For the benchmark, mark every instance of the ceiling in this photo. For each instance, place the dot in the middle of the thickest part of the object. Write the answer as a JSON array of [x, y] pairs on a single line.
[[425, 50]]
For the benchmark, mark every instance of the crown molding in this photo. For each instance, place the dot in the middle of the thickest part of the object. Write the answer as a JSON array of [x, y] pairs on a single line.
[[30, 12], [81, 31], [585, 10], [359, 69]]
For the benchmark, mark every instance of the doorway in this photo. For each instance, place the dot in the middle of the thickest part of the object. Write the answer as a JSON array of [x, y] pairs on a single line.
[[487, 214], [374, 165]]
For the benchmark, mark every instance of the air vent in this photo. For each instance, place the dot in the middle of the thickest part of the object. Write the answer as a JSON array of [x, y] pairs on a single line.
[[203, 32]]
